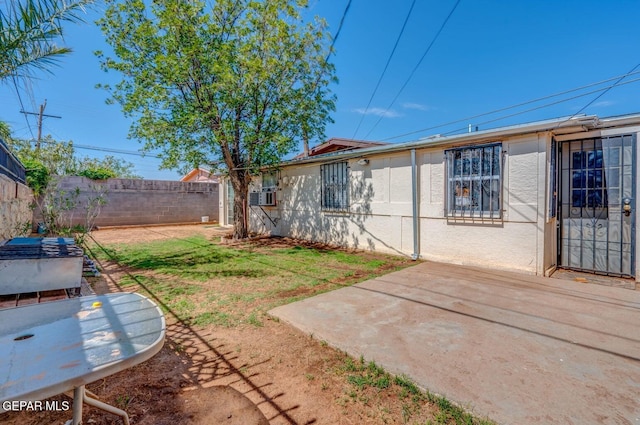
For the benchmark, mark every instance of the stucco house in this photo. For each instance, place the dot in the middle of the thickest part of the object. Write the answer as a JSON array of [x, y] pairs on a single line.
[[528, 198]]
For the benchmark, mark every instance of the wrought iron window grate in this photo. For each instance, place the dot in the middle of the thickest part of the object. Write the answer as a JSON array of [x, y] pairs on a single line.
[[335, 186], [474, 181]]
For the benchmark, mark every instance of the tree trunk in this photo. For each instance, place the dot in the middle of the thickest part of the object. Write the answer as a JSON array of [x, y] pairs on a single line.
[[240, 208], [305, 139]]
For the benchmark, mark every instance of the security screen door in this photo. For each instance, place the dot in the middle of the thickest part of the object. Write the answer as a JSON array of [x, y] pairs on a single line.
[[597, 223]]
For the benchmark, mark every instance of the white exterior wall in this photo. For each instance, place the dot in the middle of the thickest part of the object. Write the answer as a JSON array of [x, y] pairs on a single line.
[[514, 242], [380, 216]]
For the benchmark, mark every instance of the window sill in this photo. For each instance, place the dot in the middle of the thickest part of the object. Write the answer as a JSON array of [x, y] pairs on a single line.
[[497, 221], [336, 212]]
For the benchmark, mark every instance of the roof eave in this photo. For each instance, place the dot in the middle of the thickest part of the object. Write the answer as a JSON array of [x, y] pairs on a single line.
[[619, 121], [558, 125]]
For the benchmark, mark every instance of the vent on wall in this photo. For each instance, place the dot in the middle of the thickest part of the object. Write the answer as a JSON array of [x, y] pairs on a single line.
[[254, 198]]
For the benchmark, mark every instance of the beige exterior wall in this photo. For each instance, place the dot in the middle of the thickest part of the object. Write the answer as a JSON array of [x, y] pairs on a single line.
[[15, 208], [380, 216], [513, 242]]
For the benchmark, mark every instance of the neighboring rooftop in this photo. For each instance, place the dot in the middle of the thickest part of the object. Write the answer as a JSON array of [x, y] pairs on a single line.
[[336, 144], [200, 175]]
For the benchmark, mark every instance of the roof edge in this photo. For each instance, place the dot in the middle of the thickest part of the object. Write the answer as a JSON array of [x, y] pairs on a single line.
[[564, 123]]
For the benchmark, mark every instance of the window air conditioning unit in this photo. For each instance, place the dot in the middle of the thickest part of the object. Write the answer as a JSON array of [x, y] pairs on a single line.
[[254, 198], [263, 199]]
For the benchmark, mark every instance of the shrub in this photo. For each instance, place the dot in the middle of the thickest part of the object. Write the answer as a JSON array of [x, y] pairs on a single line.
[[37, 175], [97, 173]]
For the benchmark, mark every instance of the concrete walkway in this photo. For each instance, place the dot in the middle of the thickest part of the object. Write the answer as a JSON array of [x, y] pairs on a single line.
[[519, 349]]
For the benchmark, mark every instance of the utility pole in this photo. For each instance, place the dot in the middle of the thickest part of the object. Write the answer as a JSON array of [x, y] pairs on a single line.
[[40, 115]]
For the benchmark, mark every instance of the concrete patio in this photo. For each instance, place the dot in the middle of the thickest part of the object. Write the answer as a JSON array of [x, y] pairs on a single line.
[[519, 349]]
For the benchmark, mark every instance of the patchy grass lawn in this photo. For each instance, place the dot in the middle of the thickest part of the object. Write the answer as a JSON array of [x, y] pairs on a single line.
[[215, 298], [204, 282]]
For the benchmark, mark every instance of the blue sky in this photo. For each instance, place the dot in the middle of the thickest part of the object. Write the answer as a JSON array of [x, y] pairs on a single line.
[[491, 54]]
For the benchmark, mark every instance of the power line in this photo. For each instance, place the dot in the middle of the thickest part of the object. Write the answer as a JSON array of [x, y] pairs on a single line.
[[415, 68], [110, 150], [333, 43], [324, 67], [528, 102], [604, 92], [19, 129], [550, 104], [51, 132], [120, 151], [101, 149], [40, 115], [15, 84], [375, 90], [335, 38]]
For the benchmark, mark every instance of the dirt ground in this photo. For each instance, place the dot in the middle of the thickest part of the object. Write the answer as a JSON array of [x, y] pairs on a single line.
[[240, 375]]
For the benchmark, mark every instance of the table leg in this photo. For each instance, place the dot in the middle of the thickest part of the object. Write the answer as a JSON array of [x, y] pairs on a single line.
[[106, 407], [80, 396]]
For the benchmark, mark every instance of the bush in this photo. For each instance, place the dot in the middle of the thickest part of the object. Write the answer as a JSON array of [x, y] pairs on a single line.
[[37, 175], [97, 173]]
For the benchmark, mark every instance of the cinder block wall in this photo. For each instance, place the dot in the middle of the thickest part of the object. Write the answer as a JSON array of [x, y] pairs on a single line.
[[139, 202], [15, 210]]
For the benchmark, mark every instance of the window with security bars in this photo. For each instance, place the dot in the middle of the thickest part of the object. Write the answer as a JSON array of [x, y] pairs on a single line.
[[474, 181], [335, 186]]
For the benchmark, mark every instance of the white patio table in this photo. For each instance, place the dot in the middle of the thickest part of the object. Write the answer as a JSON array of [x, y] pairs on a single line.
[[50, 348]]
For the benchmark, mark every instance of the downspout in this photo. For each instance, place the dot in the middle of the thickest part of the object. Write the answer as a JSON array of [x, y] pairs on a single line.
[[414, 200]]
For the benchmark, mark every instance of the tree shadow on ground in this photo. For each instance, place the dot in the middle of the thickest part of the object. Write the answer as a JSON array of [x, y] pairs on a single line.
[[208, 361]]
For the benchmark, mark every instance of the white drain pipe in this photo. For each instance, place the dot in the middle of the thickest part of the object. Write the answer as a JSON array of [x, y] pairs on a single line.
[[414, 195]]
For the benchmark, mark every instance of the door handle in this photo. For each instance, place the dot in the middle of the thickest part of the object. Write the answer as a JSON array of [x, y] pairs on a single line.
[[626, 206]]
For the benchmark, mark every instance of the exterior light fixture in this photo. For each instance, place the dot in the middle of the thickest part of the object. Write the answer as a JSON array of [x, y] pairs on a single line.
[[363, 161]]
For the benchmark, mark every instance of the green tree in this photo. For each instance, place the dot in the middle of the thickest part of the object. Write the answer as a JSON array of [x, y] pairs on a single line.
[[30, 31], [59, 159], [237, 83], [5, 131], [109, 166], [56, 156], [37, 175]]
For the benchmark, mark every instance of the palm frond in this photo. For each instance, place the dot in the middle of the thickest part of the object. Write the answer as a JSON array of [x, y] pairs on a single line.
[[29, 30]]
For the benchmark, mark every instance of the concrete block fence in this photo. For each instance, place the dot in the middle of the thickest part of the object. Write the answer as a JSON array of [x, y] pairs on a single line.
[[15, 211], [144, 202]]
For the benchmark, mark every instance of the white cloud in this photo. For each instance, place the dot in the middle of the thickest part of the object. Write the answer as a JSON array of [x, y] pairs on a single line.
[[604, 103], [418, 106], [386, 113]]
